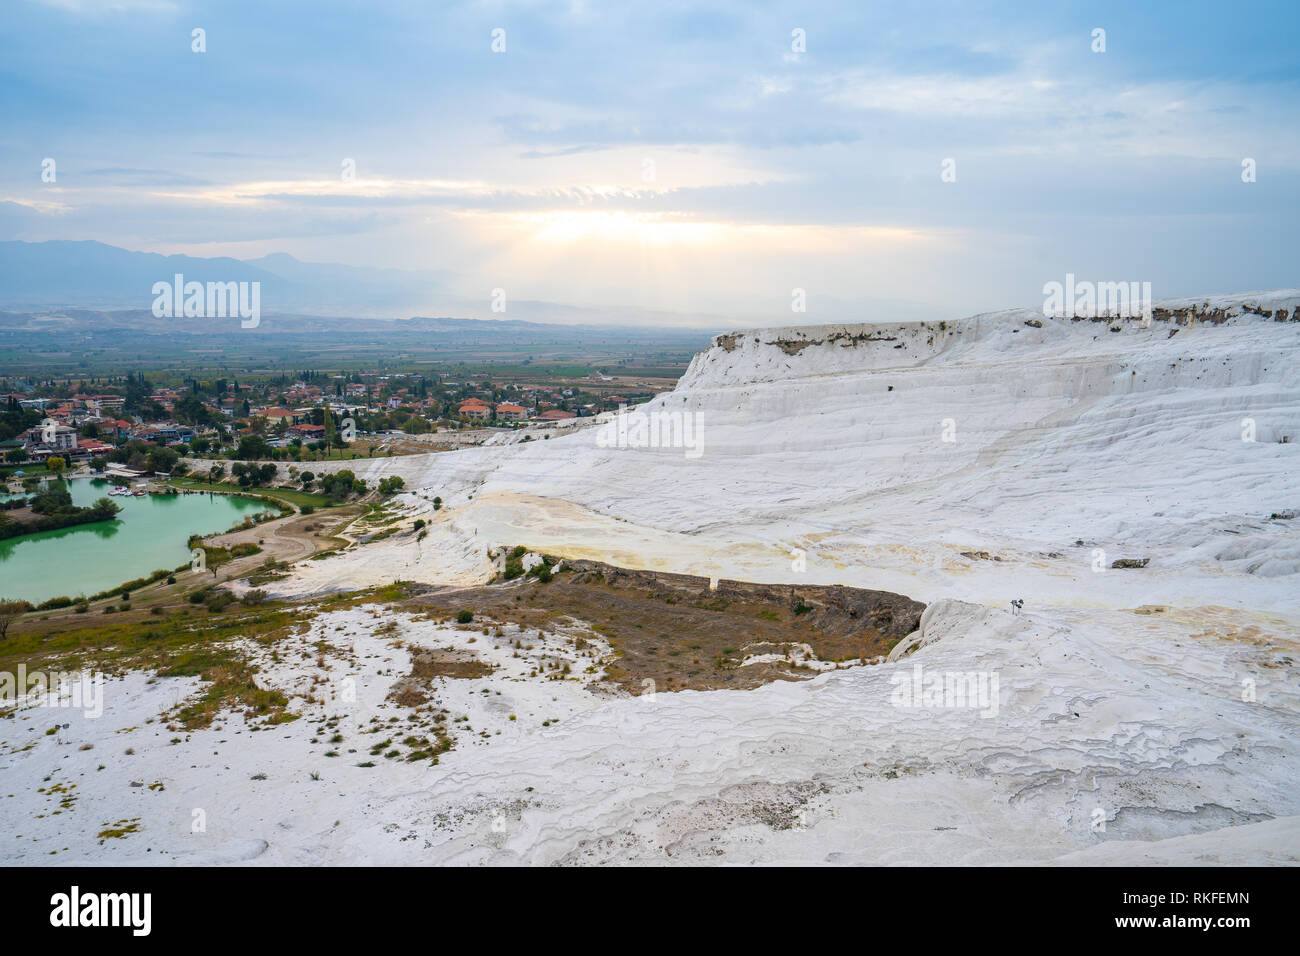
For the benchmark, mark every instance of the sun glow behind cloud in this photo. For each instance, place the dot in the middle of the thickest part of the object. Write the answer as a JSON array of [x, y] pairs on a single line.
[[671, 262], [671, 229], [620, 227]]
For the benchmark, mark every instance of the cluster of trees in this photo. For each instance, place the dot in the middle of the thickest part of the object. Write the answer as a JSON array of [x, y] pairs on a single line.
[[250, 475], [145, 457], [54, 498], [258, 448], [14, 420], [253, 447], [402, 418], [56, 510], [192, 411], [341, 484], [139, 399]]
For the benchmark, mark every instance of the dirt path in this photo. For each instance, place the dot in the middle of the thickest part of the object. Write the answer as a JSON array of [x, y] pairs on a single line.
[[289, 540]]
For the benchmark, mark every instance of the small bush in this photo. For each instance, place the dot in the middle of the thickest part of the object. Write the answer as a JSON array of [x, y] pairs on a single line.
[[464, 617], [218, 601]]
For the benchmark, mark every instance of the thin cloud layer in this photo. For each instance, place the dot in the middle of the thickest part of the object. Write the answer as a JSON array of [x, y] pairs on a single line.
[[709, 158]]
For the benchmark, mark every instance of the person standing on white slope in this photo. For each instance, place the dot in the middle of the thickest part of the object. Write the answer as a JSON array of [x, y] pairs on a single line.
[[1016, 605]]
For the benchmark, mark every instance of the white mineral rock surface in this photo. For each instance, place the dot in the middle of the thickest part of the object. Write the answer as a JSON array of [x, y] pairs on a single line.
[[1143, 715]]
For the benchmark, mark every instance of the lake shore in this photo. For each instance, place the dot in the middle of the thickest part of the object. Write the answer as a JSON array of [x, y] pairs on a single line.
[[150, 533]]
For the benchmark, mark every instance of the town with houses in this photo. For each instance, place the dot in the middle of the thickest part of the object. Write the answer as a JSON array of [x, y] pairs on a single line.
[[98, 422]]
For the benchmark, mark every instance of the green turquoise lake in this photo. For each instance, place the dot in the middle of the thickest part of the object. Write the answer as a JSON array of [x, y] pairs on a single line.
[[150, 533]]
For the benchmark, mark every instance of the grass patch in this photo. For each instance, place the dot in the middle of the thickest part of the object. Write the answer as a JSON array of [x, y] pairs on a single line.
[[290, 496], [175, 646], [119, 830]]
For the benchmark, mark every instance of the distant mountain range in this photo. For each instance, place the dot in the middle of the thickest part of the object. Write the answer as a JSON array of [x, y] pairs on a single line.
[[93, 275], [66, 304], [86, 275]]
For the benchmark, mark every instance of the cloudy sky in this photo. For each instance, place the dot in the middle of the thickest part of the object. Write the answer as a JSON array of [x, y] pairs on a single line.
[[702, 159]]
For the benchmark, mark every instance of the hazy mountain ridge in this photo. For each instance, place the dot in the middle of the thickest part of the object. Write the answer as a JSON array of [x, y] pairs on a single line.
[[62, 274], [85, 273]]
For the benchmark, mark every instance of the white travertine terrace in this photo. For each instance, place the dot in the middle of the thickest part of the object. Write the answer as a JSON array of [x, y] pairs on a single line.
[[1144, 715]]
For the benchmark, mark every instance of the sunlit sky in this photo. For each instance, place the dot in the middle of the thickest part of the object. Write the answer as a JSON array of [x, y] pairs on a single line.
[[684, 158]]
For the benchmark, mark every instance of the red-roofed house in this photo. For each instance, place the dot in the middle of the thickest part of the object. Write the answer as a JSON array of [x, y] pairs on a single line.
[[511, 413]]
